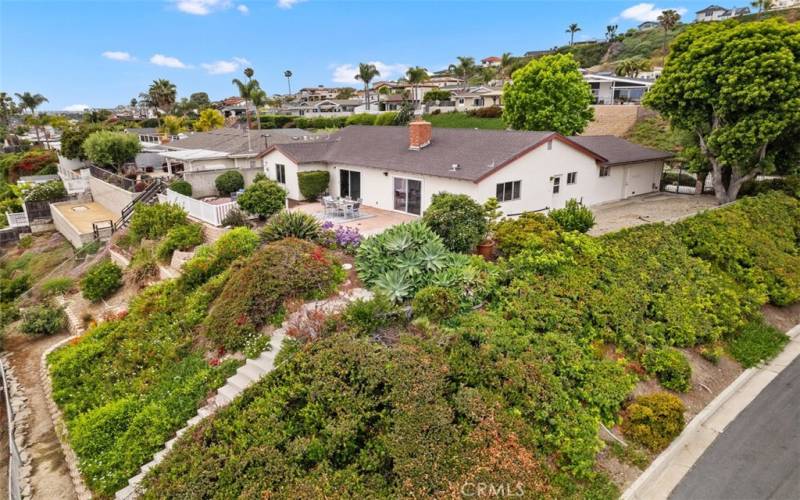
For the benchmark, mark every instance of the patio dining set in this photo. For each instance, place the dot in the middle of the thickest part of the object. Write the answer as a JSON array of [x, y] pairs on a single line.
[[341, 207]]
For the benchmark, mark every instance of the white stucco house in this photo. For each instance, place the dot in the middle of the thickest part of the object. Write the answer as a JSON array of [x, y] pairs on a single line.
[[717, 13], [401, 168]]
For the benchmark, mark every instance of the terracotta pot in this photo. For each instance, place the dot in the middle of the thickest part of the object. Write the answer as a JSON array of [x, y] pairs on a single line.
[[486, 249]]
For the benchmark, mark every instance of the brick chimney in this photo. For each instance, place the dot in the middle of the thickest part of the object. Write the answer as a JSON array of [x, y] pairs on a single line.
[[419, 134]]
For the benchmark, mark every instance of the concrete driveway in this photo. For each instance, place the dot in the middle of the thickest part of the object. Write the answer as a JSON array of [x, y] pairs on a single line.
[[644, 209]]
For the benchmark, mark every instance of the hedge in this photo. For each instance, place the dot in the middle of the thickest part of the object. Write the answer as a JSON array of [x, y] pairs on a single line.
[[229, 182], [313, 183], [181, 187]]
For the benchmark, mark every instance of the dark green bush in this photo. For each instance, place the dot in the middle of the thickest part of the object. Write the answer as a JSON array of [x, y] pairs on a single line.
[[436, 303], [43, 320], [387, 118], [529, 230], [11, 288], [490, 112], [367, 317], [101, 281], [210, 260], [57, 286], [235, 218], [153, 221], [184, 237], [361, 119], [654, 420], [277, 121], [322, 122], [287, 224], [458, 219], [573, 217], [263, 198], [285, 269], [313, 183], [756, 342], [789, 185], [48, 191], [229, 182], [143, 266], [181, 187], [670, 367]]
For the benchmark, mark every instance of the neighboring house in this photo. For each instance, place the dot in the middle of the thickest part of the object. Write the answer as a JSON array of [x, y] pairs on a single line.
[[611, 89], [312, 94], [491, 61], [784, 4], [401, 168], [328, 107], [648, 25], [537, 53], [478, 97], [717, 13], [150, 136], [203, 156]]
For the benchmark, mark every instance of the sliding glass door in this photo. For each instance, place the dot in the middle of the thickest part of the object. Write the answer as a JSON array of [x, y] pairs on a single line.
[[408, 195], [350, 184]]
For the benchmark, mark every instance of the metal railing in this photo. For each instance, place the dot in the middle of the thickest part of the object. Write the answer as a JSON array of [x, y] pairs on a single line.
[[14, 460], [112, 178]]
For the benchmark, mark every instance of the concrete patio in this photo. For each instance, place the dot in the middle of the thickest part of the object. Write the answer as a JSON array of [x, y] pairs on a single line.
[[371, 220]]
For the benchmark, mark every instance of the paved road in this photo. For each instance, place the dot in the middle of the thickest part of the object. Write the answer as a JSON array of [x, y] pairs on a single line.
[[758, 455]]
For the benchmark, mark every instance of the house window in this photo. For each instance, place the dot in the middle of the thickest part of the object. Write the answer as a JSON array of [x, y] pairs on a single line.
[[280, 173], [508, 191], [605, 171], [549, 145], [556, 184], [572, 177], [252, 164]]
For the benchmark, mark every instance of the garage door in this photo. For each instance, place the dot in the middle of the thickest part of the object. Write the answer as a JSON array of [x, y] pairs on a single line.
[[640, 179]]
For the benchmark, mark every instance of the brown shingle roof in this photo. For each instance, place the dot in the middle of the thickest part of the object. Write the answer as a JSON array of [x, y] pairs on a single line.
[[478, 153], [234, 140], [618, 151]]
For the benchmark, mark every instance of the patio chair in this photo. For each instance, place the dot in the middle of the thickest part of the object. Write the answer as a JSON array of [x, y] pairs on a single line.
[[355, 208]]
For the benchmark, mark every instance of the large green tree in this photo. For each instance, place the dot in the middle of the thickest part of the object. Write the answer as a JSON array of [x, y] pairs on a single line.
[[736, 87], [549, 93], [111, 149]]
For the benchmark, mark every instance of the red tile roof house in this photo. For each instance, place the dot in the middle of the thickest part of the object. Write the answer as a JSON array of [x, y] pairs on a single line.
[[401, 168]]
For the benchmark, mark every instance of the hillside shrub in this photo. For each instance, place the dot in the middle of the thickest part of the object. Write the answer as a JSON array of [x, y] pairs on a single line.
[[263, 198], [529, 230], [154, 221], [57, 286], [756, 342], [654, 420], [435, 303], [43, 320], [320, 122], [490, 112], [183, 237], [229, 182], [285, 269], [276, 121], [367, 317], [790, 185], [573, 217], [181, 187], [386, 119], [671, 368], [286, 224], [210, 260], [101, 281], [235, 218], [313, 183], [459, 220], [143, 266], [49, 191], [11, 288], [361, 119], [111, 149], [401, 260]]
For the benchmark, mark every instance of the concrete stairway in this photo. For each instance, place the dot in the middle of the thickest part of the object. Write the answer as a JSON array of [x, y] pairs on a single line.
[[248, 374]]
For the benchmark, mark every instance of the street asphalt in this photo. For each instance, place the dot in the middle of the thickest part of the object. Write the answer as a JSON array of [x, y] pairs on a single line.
[[758, 455]]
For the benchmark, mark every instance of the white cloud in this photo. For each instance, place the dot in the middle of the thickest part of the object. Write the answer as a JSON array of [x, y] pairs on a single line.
[[169, 62], [225, 67], [77, 107], [243, 9], [646, 12], [202, 7], [288, 4], [346, 73], [117, 55]]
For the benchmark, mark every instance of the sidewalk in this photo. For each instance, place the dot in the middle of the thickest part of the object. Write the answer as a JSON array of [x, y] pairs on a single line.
[[666, 471]]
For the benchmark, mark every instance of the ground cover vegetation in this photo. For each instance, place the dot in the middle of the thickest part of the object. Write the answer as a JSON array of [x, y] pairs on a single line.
[[384, 407]]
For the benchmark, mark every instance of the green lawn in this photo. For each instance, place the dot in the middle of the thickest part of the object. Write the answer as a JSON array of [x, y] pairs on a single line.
[[463, 120]]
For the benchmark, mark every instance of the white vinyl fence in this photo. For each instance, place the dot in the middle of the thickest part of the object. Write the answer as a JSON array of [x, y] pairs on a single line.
[[206, 212], [17, 219]]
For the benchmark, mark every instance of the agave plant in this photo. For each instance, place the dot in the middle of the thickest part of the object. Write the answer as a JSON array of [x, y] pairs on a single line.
[[433, 256], [394, 284], [287, 224], [398, 242]]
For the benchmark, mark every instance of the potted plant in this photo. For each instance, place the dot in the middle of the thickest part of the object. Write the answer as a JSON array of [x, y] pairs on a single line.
[[492, 213]]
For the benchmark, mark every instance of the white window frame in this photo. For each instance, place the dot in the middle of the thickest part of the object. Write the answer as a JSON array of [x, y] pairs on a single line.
[[280, 173], [572, 178]]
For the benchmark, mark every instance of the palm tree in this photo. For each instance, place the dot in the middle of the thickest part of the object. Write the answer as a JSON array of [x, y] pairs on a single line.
[[31, 102], [161, 95], [415, 76], [633, 66], [288, 75], [464, 69], [7, 107], [572, 29], [366, 73], [506, 60], [668, 19], [246, 91], [258, 98], [762, 5], [611, 32]]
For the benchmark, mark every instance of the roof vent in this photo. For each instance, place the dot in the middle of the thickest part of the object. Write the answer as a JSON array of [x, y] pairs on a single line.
[[455, 167]]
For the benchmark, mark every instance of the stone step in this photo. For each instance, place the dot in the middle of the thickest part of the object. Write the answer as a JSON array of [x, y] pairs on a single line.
[[158, 457], [135, 480], [251, 371], [193, 421], [221, 400], [125, 493], [240, 381], [229, 391], [203, 412], [149, 465], [263, 362]]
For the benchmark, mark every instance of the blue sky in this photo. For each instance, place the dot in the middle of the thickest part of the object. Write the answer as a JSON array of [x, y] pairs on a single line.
[[103, 53]]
